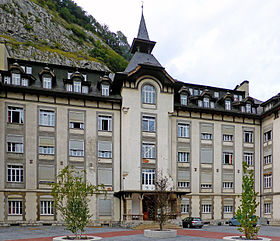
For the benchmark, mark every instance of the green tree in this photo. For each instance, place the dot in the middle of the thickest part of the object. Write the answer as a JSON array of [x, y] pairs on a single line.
[[246, 213], [71, 194]]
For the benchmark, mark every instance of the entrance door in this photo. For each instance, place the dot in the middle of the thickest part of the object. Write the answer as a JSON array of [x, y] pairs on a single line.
[[148, 207]]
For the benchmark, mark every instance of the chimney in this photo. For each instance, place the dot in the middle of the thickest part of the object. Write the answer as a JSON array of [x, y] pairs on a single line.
[[244, 86]]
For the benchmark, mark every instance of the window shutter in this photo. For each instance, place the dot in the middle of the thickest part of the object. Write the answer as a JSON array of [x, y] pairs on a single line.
[[15, 139], [184, 175], [228, 176], [104, 146], [76, 144], [206, 128], [185, 201], [104, 207], [206, 155], [46, 173], [228, 130], [267, 152], [76, 117], [206, 201], [228, 202], [183, 148], [206, 176], [46, 141], [105, 176]]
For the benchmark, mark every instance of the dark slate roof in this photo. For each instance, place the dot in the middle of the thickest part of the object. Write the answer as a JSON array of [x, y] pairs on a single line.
[[142, 32], [141, 58]]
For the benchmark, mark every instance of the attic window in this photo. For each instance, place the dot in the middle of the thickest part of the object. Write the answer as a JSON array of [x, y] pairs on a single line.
[[47, 82], [206, 102], [216, 94], [15, 79], [69, 75], [227, 104], [77, 86], [242, 108], [248, 108], [105, 89], [184, 99]]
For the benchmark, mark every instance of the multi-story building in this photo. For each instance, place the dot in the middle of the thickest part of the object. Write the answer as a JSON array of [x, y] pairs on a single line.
[[123, 129]]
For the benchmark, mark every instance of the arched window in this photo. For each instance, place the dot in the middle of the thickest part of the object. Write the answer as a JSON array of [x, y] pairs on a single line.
[[148, 94]]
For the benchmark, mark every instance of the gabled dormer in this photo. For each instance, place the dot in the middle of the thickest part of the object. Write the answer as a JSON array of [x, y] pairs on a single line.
[[226, 101], [184, 95], [104, 85], [77, 83], [47, 78], [247, 105]]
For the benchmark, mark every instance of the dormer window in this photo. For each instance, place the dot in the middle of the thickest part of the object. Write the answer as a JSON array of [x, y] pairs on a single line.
[[28, 70], [242, 108], [216, 94], [24, 82], [227, 104], [77, 86], [248, 108], [85, 77], [69, 75], [212, 105], [105, 89], [15, 79], [7, 80], [149, 94], [199, 103], [85, 89], [195, 92], [47, 82], [206, 102], [191, 91], [253, 110], [184, 99], [69, 87]]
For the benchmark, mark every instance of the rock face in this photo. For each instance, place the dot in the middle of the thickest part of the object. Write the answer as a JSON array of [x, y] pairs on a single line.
[[32, 32]]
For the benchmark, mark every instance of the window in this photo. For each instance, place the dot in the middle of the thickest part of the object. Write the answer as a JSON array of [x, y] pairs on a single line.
[[148, 123], [7, 80], [76, 148], [104, 123], [69, 87], [183, 130], [227, 104], [227, 158], [69, 75], [185, 208], [77, 86], [183, 156], [235, 97], [228, 185], [28, 70], [227, 137], [248, 136], [191, 91], [105, 176], [24, 82], [148, 94], [47, 118], [47, 82], [267, 208], [240, 97], [268, 180], [46, 173], [228, 209], [76, 120], [184, 99], [206, 102], [46, 208], [15, 115], [104, 207], [206, 155], [85, 77], [15, 173], [212, 105], [206, 185], [206, 136], [242, 108], [46, 145], [199, 103], [206, 208], [15, 207], [267, 136], [105, 149], [267, 159], [148, 150], [105, 90], [184, 184], [15, 144], [195, 91], [85, 89], [148, 179], [254, 110], [23, 67], [248, 108], [216, 94], [15, 79], [249, 158]]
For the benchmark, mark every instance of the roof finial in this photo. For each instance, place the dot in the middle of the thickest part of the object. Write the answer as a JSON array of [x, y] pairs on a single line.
[[142, 5]]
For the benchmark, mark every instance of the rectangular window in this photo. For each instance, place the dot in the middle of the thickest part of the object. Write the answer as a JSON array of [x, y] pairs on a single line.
[[15, 173], [183, 156], [184, 184], [267, 136], [15, 115], [76, 120], [183, 130], [85, 77], [267, 208], [227, 137], [15, 207], [69, 87], [212, 105], [206, 155], [104, 123], [268, 180], [77, 86], [24, 82], [228, 209], [47, 118], [267, 159], [206, 208], [7, 80], [184, 100], [69, 75], [47, 82], [15, 79], [148, 179], [206, 178], [242, 108], [46, 145], [148, 123], [104, 207], [105, 149], [105, 89], [216, 94], [248, 108], [46, 173], [195, 91], [191, 91], [249, 158], [28, 70], [105, 176], [228, 105], [15, 144], [206, 136], [206, 102], [185, 208], [227, 158], [228, 185], [248, 136], [199, 103], [46, 208], [85, 89], [76, 148], [148, 150]]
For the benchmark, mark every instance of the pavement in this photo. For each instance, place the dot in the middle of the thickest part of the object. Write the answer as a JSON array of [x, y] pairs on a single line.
[[207, 233]]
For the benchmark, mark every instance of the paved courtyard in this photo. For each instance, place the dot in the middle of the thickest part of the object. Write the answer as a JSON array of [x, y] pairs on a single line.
[[45, 233]]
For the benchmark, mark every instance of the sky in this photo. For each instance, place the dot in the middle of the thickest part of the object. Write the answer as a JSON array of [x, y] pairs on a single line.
[[209, 42]]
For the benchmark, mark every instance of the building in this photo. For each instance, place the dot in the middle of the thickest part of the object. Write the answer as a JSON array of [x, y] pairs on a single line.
[[125, 128]]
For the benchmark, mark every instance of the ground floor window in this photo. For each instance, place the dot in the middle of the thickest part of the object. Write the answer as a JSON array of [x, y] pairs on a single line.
[[15, 207], [46, 208], [185, 208], [206, 208], [267, 208], [228, 209]]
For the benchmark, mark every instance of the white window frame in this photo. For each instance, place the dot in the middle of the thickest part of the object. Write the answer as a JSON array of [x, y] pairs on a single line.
[[206, 102], [184, 184], [227, 137], [7, 80], [10, 114], [184, 99], [248, 157], [227, 104], [267, 136], [267, 159], [46, 150], [47, 118], [15, 173], [206, 208], [206, 185], [149, 150], [105, 89], [199, 103], [148, 179], [148, 123], [46, 207], [229, 156], [216, 94], [248, 136], [77, 86], [267, 181], [28, 70], [77, 152], [105, 154], [24, 82], [15, 79], [104, 119], [15, 147], [69, 87], [47, 82], [14, 207], [85, 89], [206, 136], [183, 130], [148, 94], [185, 208], [228, 209], [183, 156], [267, 208], [228, 185], [248, 108]]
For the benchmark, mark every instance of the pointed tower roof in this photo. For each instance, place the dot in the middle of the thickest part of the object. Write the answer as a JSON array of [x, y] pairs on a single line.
[[142, 31]]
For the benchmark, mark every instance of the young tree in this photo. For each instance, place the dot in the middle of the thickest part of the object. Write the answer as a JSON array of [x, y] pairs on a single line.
[[70, 194], [163, 190], [246, 213]]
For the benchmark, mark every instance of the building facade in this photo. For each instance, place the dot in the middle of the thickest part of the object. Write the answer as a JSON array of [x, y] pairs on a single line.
[[124, 129]]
